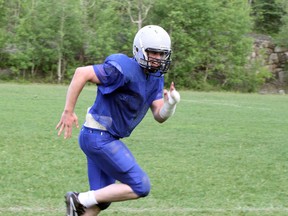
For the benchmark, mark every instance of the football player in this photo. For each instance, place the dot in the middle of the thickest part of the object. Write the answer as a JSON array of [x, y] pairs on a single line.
[[126, 88]]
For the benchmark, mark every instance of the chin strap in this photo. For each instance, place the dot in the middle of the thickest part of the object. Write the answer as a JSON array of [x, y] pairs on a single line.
[[169, 106]]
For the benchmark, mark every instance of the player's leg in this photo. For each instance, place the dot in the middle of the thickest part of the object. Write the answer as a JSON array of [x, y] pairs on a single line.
[[91, 140], [92, 211], [117, 161], [77, 203], [97, 179], [114, 158]]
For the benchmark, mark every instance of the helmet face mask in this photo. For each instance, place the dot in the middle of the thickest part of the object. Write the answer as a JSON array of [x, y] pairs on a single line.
[[156, 64], [152, 39]]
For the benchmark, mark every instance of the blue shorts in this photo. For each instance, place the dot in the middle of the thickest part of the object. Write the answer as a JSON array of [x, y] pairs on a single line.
[[109, 159]]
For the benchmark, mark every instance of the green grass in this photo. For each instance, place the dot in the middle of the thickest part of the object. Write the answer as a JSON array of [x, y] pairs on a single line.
[[221, 154]]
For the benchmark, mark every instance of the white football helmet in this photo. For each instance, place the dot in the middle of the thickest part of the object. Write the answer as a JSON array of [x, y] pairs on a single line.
[[155, 39]]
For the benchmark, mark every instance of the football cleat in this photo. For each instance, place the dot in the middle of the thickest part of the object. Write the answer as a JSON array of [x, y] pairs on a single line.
[[73, 206]]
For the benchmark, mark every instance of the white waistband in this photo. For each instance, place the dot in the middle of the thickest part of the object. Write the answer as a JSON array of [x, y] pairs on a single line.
[[92, 123]]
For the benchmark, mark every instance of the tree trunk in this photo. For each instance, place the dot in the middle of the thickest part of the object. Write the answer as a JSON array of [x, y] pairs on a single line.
[[60, 46], [59, 71], [140, 14]]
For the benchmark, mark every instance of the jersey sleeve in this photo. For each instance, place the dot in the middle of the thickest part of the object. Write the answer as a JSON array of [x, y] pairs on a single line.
[[110, 75], [159, 94], [160, 88]]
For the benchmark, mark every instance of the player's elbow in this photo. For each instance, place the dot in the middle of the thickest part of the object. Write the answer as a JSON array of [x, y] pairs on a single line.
[[86, 74]]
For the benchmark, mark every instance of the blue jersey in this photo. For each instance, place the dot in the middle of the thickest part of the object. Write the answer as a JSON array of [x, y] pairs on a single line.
[[125, 94]]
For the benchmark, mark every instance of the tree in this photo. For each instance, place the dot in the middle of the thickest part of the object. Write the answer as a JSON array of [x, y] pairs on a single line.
[[49, 39], [140, 8], [210, 43], [267, 15], [110, 30], [281, 38], [9, 19], [45, 38]]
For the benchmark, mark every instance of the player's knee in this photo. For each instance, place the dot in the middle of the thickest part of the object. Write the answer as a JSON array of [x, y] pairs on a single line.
[[142, 189]]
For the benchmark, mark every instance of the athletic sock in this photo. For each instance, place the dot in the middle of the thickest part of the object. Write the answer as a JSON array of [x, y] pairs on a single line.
[[87, 199]]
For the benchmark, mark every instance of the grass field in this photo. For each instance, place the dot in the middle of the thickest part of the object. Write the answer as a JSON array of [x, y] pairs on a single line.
[[221, 154]]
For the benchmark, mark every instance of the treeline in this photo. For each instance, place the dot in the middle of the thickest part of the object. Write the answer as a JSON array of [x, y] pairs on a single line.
[[45, 41]]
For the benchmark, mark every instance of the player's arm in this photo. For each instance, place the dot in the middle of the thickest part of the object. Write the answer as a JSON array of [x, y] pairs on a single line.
[[163, 108], [81, 76]]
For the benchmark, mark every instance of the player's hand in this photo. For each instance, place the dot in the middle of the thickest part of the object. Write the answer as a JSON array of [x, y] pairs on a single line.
[[172, 96], [66, 124]]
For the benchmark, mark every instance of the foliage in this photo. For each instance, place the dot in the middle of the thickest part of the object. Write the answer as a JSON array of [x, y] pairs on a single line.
[[281, 38], [267, 16], [250, 79], [109, 30], [39, 39], [209, 40], [47, 40]]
